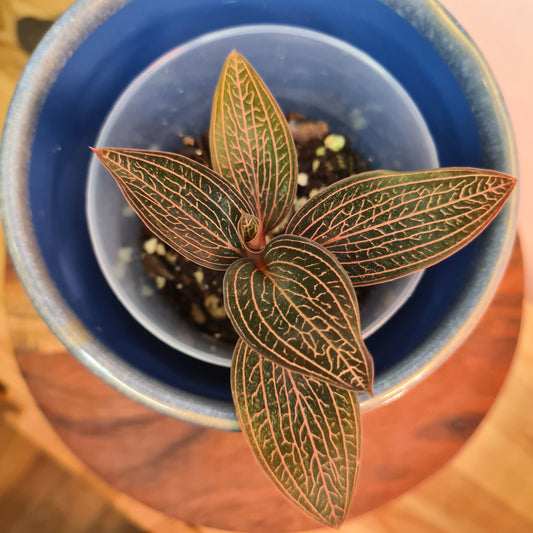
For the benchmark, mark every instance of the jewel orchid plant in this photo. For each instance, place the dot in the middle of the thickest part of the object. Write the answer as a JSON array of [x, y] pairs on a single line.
[[300, 360]]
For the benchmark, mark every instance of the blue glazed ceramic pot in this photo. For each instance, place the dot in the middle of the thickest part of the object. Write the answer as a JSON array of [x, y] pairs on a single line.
[[311, 73], [68, 88]]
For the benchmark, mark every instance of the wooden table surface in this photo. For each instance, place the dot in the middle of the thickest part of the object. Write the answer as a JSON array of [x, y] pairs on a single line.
[[210, 478], [486, 487]]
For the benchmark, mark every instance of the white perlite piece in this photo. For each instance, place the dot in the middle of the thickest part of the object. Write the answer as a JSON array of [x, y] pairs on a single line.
[[160, 249], [335, 142], [198, 315], [172, 257], [303, 179], [199, 276], [215, 306], [160, 282], [314, 192], [150, 246]]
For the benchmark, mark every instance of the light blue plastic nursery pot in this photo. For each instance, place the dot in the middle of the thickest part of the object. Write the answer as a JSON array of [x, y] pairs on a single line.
[[172, 98], [68, 88]]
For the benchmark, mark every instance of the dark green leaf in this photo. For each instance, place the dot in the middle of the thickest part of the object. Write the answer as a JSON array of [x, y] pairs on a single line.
[[251, 144], [304, 432], [299, 309], [383, 226], [185, 204]]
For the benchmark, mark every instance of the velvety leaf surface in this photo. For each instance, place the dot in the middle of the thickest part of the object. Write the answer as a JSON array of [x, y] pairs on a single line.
[[251, 144], [299, 310], [304, 432], [383, 226], [185, 204]]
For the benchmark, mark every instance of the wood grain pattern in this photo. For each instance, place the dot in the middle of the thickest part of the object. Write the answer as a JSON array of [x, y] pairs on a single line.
[[36, 492], [210, 478]]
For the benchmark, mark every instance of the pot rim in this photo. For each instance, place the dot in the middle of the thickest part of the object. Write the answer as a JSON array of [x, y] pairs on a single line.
[[393, 294], [427, 16]]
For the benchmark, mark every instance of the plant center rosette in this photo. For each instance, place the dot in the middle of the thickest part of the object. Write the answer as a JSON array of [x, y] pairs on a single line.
[[195, 292]]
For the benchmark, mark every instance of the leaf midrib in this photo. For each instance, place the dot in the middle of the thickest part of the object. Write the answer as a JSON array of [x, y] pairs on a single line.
[[301, 398], [342, 235], [187, 201], [345, 189], [319, 369], [447, 236], [252, 433]]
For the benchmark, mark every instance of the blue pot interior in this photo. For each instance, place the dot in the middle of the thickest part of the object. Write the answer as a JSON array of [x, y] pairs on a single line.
[[121, 48]]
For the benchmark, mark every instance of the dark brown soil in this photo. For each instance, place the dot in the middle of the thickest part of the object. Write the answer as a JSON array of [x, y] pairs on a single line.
[[196, 292]]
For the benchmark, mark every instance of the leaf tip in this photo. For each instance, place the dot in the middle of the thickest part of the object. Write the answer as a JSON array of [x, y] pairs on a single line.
[[234, 57], [98, 152], [237, 60], [509, 179], [335, 521]]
